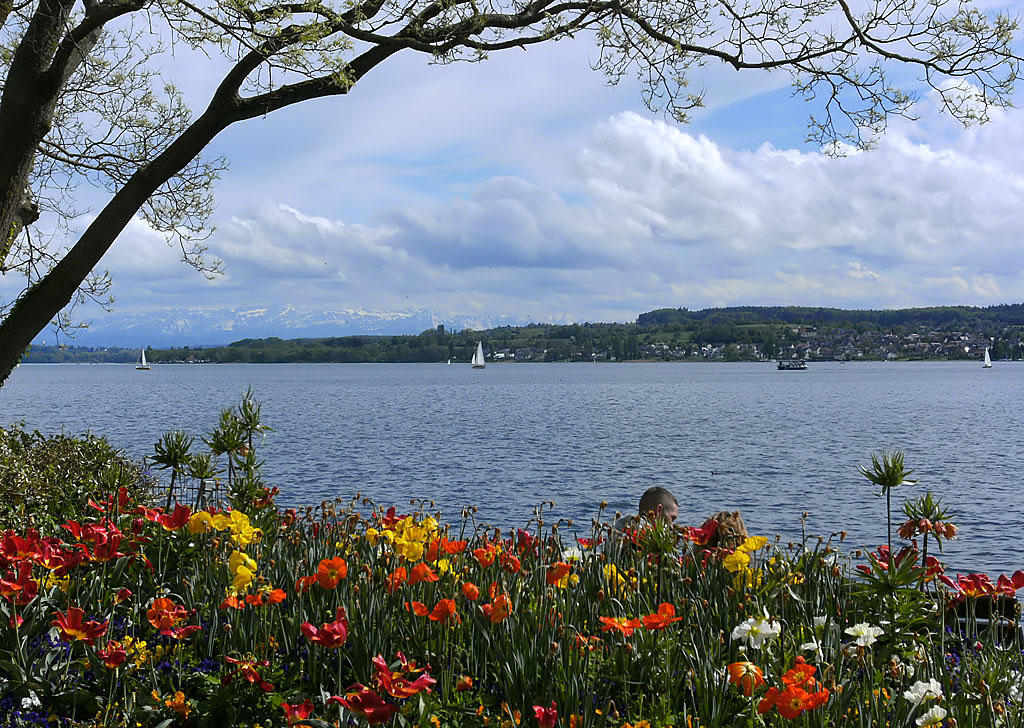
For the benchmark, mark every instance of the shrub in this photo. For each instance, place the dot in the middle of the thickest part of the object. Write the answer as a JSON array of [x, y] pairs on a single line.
[[44, 480]]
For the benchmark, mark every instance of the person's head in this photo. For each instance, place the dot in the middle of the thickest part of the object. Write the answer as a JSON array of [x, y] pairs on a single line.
[[659, 503]]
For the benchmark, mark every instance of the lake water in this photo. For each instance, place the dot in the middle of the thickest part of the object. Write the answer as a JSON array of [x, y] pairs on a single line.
[[720, 436]]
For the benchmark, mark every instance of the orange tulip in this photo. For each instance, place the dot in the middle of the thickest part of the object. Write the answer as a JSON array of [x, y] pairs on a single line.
[[331, 571], [666, 615], [556, 572], [747, 676], [163, 614], [395, 579], [500, 608], [444, 611], [422, 572], [619, 624], [485, 556]]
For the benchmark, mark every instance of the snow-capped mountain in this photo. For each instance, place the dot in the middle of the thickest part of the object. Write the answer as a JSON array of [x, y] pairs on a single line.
[[218, 326]]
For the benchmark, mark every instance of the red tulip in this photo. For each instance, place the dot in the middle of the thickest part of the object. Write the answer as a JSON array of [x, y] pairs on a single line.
[[366, 703], [331, 634], [295, 713], [72, 628], [546, 717]]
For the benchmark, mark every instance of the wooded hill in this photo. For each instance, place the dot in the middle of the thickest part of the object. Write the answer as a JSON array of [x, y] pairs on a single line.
[[742, 332], [972, 318]]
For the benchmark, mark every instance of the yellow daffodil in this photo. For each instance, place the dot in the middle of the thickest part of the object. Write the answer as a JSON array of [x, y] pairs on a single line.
[[566, 580]]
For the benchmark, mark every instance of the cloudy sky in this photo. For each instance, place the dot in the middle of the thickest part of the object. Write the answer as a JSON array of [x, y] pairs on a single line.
[[525, 187]]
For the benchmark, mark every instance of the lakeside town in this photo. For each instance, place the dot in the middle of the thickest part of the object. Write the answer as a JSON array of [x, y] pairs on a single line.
[[811, 343], [850, 345]]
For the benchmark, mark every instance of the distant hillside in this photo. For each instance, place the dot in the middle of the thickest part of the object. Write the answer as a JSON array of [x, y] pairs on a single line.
[[79, 355], [996, 317], [739, 333], [198, 326], [735, 334]]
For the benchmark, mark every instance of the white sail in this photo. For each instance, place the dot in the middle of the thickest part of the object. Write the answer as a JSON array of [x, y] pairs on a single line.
[[478, 356], [142, 360], [988, 360]]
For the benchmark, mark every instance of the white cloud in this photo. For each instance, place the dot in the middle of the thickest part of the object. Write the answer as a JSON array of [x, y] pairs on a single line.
[[640, 214]]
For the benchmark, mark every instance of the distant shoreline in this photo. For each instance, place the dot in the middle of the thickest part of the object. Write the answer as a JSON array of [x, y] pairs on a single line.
[[810, 362]]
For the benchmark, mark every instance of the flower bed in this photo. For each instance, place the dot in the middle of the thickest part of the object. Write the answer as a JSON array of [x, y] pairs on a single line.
[[354, 616]]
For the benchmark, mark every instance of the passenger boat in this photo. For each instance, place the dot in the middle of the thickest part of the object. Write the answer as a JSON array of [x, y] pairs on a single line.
[[792, 364]]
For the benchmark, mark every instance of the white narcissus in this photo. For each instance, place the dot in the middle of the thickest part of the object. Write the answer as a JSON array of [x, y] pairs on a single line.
[[921, 691], [865, 634], [755, 631]]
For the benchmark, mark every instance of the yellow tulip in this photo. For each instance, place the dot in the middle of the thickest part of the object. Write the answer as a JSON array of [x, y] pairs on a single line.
[[243, 578], [736, 561], [753, 543], [200, 522], [239, 560]]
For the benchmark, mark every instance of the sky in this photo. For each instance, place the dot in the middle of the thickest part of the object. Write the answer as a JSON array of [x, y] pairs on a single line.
[[524, 188]]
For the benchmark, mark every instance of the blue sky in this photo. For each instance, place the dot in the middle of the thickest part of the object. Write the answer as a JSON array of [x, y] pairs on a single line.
[[525, 187]]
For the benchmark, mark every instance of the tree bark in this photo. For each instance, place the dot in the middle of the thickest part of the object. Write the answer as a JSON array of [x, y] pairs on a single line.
[[37, 307], [45, 59]]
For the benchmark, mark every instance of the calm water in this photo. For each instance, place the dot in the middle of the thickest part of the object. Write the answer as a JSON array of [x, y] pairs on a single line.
[[720, 436]]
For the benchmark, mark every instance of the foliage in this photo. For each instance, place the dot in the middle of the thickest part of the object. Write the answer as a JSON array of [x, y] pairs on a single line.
[[46, 479], [887, 472], [80, 354], [942, 317], [350, 614]]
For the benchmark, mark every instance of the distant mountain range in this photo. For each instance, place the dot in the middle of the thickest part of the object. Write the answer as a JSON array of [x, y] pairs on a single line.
[[219, 326], [209, 327]]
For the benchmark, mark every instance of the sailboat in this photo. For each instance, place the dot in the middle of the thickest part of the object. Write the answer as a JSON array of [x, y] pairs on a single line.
[[478, 356], [142, 361], [988, 360]]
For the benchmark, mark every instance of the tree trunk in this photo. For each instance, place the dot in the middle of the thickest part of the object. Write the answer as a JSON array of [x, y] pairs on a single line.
[[26, 111], [44, 60], [37, 307]]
